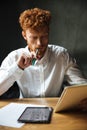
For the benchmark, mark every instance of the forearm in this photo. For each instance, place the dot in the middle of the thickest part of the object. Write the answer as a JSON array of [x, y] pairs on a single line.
[[8, 77], [75, 76]]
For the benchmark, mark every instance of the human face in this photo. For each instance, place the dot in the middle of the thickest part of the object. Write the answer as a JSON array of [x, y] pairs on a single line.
[[37, 40]]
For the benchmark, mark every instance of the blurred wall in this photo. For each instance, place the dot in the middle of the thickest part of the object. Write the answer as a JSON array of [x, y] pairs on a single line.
[[68, 26]]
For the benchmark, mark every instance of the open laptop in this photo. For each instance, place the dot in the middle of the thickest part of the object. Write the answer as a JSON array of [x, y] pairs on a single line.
[[70, 97]]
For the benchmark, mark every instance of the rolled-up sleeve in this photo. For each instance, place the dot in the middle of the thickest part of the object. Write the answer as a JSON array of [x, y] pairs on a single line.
[[73, 74], [9, 73]]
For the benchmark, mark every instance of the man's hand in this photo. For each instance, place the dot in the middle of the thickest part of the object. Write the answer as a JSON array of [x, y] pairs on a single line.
[[25, 60], [83, 105]]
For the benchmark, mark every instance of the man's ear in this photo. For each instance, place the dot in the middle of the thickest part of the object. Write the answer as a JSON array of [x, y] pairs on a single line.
[[24, 35]]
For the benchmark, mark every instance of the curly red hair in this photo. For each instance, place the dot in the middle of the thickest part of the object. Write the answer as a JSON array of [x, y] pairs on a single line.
[[34, 18]]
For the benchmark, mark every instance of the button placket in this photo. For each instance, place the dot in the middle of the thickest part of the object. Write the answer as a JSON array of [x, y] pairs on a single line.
[[42, 81]]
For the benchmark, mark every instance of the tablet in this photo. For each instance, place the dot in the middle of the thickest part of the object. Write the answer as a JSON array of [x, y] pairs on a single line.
[[36, 115], [71, 97]]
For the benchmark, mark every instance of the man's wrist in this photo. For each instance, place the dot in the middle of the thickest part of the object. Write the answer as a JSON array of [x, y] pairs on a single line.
[[20, 67]]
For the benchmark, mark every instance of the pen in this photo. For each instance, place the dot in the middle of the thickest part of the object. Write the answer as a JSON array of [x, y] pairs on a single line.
[[34, 59]]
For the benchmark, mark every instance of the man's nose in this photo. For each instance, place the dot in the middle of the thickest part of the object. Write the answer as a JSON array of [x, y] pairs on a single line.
[[39, 42]]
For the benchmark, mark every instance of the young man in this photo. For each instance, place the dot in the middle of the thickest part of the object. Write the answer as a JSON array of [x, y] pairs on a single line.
[[39, 69]]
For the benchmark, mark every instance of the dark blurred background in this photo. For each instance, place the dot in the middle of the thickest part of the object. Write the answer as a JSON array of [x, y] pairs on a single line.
[[68, 26]]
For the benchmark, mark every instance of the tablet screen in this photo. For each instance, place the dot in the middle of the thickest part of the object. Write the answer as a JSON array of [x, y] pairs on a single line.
[[36, 115]]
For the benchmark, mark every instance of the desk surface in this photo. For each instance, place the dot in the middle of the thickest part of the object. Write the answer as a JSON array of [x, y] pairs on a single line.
[[60, 121]]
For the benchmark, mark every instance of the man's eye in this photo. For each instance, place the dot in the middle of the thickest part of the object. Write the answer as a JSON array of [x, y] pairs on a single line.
[[33, 38], [44, 37]]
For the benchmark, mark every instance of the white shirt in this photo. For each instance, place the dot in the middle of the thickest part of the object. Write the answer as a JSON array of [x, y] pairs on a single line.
[[45, 78]]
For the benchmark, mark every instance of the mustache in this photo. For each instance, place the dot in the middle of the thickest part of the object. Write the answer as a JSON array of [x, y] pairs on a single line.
[[41, 47]]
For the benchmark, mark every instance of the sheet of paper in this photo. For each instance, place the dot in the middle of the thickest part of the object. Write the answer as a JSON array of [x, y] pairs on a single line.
[[11, 112]]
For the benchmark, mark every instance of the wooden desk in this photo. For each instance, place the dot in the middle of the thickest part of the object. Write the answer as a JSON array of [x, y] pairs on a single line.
[[60, 121]]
